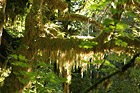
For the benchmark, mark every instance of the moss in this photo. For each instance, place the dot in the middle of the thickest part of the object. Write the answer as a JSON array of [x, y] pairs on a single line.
[[79, 17], [56, 4]]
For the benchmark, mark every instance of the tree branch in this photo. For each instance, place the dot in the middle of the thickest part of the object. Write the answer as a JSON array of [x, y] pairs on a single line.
[[122, 69], [61, 44], [81, 18]]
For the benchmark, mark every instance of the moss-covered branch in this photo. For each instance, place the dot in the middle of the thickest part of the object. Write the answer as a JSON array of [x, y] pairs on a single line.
[[72, 17], [122, 69], [78, 17], [55, 44]]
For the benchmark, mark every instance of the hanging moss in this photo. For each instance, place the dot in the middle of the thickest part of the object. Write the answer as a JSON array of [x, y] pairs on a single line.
[[68, 55], [56, 4], [65, 49], [55, 44]]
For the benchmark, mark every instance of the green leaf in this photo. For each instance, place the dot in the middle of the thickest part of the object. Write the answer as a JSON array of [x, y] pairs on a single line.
[[107, 63], [98, 55], [107, 21], [16, 92], [107, 30], [112, 27], [63, 80], [14, 56], [88, 44], [27, 74], [106, 70], [16, 73], [121, 26], [113, 10], [32, 78], [22, 64], [84, 61], [131, 36], [30, 1], [1, 79], [42, 74], [41, 64], [44, 64], [100, 6], [96, 61], [22, 80], [130, 14], [93, 6], [120, 43], [22, 57]]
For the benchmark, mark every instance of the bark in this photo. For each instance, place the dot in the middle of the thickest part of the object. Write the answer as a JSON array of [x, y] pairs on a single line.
[[65, 84], [27, 48], [2, 14]]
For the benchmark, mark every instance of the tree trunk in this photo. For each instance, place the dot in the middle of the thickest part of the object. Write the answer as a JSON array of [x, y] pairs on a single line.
[[2, 14], [65, 84], [27, 48]]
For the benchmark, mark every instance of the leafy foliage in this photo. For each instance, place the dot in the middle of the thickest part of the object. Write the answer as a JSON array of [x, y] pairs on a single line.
[[87, 44], [3, 74], [120, 43], [42, 79]]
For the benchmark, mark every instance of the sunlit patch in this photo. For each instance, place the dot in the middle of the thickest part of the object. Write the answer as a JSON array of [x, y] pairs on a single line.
[[84, 37], [4, 73], [69, 78]]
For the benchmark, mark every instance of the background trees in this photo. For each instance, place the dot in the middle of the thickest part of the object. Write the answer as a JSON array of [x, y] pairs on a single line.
[[39, 33]]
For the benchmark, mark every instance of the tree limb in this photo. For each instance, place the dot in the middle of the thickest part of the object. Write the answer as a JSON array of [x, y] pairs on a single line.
[[61, 44], [81, 18], [122, 69]]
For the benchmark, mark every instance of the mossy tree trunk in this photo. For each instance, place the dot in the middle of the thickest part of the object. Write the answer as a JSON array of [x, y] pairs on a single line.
[[65, 84], [27, 48], [2, 14]]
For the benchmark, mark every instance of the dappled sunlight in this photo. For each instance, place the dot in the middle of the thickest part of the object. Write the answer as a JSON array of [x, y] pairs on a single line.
[[3, 74], [69, 46], [84, 37]]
